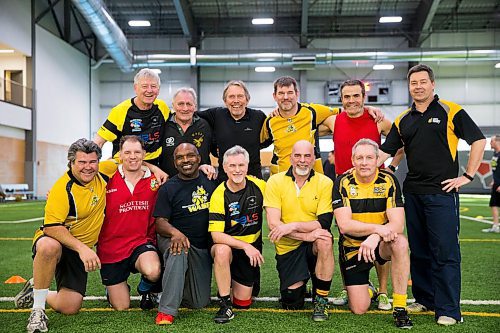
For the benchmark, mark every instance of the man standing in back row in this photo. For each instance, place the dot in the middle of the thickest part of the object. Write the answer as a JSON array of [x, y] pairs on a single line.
[[429, 132]]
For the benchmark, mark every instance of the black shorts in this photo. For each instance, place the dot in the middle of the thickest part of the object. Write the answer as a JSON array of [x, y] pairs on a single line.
[[296, 265], [495, 196], [70, 270], [119, 272], [356, 272], [241, 270]]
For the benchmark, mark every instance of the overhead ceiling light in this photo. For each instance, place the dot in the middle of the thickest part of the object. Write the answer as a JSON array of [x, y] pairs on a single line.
[[390, 19], [156, 61], [192, 55], [382, 67], [260, 21], [265, 69], [6, 51], [497, 65], [139, 23], [156, 70]]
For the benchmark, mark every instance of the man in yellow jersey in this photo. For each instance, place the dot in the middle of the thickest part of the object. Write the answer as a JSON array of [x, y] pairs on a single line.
[[369, 211], [299, 213], [74, 214], [143, 115], [235, 222], [296, 121]]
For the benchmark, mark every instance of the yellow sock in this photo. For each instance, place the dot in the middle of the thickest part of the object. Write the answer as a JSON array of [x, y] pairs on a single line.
[[399, 300], [370, 292], [322, 293]]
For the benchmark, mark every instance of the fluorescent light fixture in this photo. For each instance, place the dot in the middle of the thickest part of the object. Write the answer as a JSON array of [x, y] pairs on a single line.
[[265, 69], [139, 23], [260, 21], [192, 55], [390, 19], [156, 70], [497, 65], [156, 61], [6, 51], [382, 67]]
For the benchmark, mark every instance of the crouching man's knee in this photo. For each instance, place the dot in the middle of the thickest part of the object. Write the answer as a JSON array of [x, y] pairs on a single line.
[[293, 299]]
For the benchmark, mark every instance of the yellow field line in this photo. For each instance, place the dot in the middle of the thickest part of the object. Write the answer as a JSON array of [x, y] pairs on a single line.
[[16, 238], [269, 310]]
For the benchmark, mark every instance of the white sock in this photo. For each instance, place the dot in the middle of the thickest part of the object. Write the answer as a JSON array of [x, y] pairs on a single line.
[[39, 298]]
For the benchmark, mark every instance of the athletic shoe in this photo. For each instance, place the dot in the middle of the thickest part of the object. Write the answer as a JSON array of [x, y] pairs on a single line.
[[225, 313], [147, 302], [320, 312], [401, 319], [494, 228], [164, 319], [341, 298], [383, 302], [416, 307], [374, 291], [37, 322], [446, 321], [24, 298]]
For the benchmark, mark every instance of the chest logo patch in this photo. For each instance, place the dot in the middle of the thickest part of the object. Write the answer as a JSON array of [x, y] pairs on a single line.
[[199, 199], [198, 139], [136, 125], [353, 191], [154, 185], [434, 121], [169, 142]]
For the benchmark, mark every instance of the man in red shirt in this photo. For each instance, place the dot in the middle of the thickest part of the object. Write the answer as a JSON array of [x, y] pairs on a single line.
[[348, 128], [127, 241]]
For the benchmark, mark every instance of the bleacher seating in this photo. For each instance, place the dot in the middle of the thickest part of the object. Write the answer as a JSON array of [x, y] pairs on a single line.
[[15, 191]]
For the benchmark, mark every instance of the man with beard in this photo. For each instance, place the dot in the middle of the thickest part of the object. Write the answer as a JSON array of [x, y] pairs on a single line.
[[182, 222]]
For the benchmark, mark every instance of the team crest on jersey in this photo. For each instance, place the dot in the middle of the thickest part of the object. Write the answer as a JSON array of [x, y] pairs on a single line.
[[197, 139], [136, 125], [155, 121], [199, 199], [434, 121], [170, 141], [95, 200], [154, 185], [291, 127], [353, 191], [234, 208], [379, 190]]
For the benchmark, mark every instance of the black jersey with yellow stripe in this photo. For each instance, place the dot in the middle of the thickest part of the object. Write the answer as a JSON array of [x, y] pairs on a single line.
[[238, 214], [127, 119], [368, 202]]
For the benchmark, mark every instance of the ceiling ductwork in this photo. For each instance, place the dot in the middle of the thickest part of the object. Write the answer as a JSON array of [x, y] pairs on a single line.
[[107, 31], [313, 57]]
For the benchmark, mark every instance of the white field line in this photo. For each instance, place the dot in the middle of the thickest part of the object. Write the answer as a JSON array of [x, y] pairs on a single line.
[[276, 299], [22, 221], [475, 219]]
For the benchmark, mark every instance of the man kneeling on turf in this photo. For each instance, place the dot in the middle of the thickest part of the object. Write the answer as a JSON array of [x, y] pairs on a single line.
[[127, 241], [299, 213], [369, 212], [63, 245], [236, 227]]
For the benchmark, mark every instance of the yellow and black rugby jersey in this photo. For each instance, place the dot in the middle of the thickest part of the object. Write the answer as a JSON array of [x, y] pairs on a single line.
[[304, 205], [238, 214], [430, 141], [127, 119], [284, 132], [368, 202], [80, 208]]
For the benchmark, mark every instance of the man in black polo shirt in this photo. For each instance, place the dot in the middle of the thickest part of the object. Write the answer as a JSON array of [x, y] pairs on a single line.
[[236, 124], [184, 126], [429, 132]]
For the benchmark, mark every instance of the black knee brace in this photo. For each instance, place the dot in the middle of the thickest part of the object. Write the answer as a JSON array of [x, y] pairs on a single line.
[[293, 299]]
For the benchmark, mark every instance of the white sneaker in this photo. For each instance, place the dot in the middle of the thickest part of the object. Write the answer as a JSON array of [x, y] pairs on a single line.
[[383, 302], [494, 228], [341, 298], [416, 307], [446, 321], [37, 322]]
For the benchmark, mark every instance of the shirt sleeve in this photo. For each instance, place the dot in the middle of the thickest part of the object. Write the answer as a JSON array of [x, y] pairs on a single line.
[[394, 197], [108, 167], [216, 213], [266, 138], [57, 206], [325, 196], [272, 196], [323, 112], [337, 195], [163, 206], [208, 115], [466, 128], [392, 142], [113, 126]]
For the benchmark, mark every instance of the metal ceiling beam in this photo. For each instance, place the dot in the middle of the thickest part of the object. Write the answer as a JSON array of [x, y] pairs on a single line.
[[424, 16], [187, 21], [304, 22]]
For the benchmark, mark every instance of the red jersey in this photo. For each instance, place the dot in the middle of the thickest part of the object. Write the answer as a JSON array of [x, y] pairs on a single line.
[[129, 220], [347, 132]]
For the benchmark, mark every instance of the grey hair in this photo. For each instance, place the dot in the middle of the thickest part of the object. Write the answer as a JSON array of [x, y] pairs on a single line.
[[147, 73], [187, 90], [237, 83], [367, 142], [85, 146], [236, 150]]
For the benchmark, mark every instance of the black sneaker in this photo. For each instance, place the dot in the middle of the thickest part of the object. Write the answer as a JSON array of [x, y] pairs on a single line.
[[225, 313], [401, 319], [320, 312], [147, 302]]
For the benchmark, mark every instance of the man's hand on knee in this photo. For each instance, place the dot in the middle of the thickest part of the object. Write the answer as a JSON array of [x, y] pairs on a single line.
[[90, 259]]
